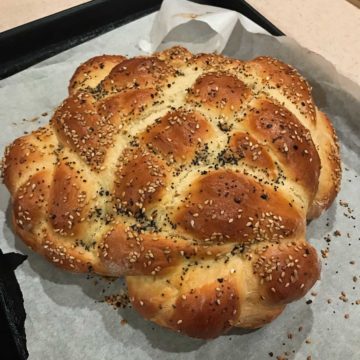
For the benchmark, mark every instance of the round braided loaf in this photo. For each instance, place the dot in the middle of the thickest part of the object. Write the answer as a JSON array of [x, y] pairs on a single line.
[[192, 175]]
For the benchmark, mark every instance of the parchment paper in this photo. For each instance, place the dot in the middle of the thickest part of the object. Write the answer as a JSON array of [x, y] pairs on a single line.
[[65, 319]]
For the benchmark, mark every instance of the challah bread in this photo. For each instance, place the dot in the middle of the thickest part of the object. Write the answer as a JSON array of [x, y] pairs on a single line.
[[192, 175]]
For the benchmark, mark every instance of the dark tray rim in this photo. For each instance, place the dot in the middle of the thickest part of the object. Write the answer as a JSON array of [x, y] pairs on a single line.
[[53, 34]]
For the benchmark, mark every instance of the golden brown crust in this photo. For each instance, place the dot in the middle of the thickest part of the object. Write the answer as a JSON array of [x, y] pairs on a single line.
[[203, 311], [138, 73], [220, 92], [330, 174], [122, 107], [79, 126], [234, 207], [126, 249], [176, 134], [254, 153], [177, 56], [31, 201], [275, 75], [209, 62], [91, 72], [208, 311], [192, 175], [287, 271], [66, 257], [289, 140], [27, 155], [139, 181], [68, 200]]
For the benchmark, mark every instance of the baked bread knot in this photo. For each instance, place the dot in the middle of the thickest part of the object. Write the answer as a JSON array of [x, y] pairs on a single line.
[[191, 175]]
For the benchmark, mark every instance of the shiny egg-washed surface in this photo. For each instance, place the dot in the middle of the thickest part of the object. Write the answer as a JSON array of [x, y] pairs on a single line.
[[192, 175]]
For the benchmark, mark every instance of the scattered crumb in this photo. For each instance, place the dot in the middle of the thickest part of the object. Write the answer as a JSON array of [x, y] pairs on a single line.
[[308, 341], [32, 119], [325, 253], [346, 316], [123, 322], [118, 300], [352, 262], [343, 297], [337, 233]]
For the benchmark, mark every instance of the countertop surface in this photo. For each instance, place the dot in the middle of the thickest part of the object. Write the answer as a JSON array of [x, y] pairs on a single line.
[[17, 12], [329, 28]]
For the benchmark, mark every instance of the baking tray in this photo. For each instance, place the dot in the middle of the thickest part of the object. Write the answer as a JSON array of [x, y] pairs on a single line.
[[46, 37], [41, 39]]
